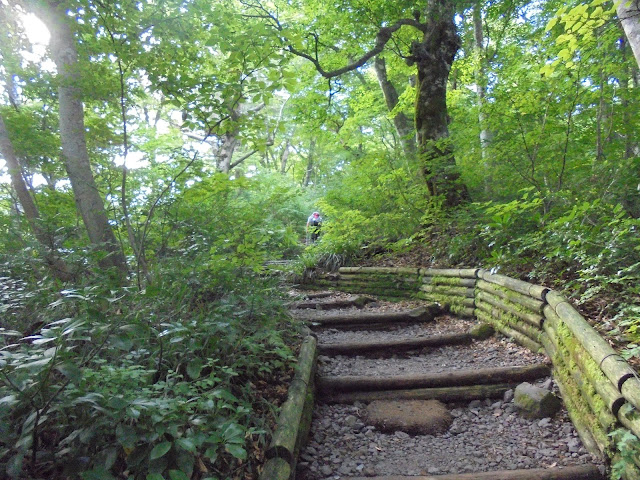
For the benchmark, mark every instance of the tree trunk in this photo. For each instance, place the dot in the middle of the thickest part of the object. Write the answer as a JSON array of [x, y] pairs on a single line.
[[58, 267], [284, 156], [74, 146], [400, 120], [229, 143], [629, 15], [433, 57], [310, 160], [481, 90]]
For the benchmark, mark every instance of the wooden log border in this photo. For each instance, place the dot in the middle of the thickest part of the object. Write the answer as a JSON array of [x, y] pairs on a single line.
[[294, 420], [601, 390]]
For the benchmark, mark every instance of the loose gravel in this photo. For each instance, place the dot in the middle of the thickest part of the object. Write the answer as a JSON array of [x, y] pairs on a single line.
[[493, 352], [485, 435], [441, 325]]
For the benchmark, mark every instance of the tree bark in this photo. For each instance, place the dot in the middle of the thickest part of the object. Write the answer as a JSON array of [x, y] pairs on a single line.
[[629, 15], [74, 146], [58, 267], [481, 90], [403, 125], [284, 156], [433, 57], [310, 159]]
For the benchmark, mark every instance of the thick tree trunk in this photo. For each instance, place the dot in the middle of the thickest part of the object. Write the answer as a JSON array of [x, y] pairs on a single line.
[[402, 123], [629, 15], [433, 58], [58, 267], [74, 146], [284, 156], [229, 143]]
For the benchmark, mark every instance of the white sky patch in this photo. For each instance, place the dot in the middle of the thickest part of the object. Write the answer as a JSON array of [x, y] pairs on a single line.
[[39, 36]]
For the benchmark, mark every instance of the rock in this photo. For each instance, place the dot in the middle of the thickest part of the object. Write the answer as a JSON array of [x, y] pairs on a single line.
[[547, 384], [326, 470], [350, 421], [482, 331], [536, 402], [508, 396], [412, 416], [475, 404]]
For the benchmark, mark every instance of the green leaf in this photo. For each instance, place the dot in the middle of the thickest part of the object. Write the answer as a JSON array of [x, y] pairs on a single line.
[[236, 450], [186, 444], [154, 476], [194, 368], [177, 475], [160, 450]]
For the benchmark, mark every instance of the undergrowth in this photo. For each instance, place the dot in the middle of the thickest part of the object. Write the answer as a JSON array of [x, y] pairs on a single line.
[[179, 381]]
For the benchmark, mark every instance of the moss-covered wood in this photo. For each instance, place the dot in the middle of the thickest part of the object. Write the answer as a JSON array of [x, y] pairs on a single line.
[[457, 378], [276, 469], [449, 272], [416, 315], [358, 348], [452, 281], [401, 270], [509, 320], [447, 394], [603, 386], [526, 301], [449, 290], [612, 365], [532, 318], [525, 288], [509, 332], [288, 429]]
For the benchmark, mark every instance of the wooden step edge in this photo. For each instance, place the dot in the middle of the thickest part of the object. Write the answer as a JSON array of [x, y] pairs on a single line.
[[451, 378], [578, 472], [445, 394], [356, 348], [416, 315]]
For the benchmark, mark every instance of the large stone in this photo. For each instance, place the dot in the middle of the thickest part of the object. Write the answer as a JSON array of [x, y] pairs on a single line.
[[412, 416], [536, 402]]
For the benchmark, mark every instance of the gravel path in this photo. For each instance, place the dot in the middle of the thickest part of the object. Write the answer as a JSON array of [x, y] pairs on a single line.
[[441, 325], [485, 435], [494, 352]]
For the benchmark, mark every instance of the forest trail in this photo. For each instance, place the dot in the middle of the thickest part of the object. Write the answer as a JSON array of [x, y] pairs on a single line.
[[405, 390]]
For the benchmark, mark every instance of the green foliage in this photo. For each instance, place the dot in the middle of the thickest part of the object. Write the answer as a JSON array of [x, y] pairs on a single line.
[[156, 382]]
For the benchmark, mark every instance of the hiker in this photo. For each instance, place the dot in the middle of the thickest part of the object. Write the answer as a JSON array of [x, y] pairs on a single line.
[[314, 222]]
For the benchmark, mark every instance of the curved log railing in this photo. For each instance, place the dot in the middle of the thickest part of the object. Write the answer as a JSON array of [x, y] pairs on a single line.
[[601, 391]]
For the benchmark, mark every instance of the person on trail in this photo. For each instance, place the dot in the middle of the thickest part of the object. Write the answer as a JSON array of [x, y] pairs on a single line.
[[314, 222]]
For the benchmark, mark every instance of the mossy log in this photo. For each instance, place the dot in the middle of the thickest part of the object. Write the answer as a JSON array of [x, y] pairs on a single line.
[[526, 288], [357, 348], [593, 436], [554, 299], [378, 278], [446, 299], [417, 315], [276, 469], [456, 378], [318, 295], [603, 386], [452, 281], [614, 367], [629, 417], [374, 270], [509, 320], [449, 290], [359, 301], [449, 272], [579, 472], [528, 316], [448, 394], [509, 332], [286, 435], [526, 301]]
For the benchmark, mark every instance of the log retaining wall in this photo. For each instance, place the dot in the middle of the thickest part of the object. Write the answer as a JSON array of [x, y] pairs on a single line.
[[601, 391]]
